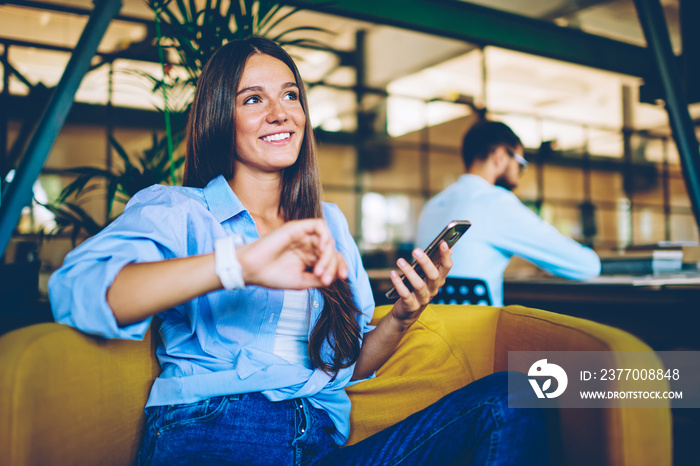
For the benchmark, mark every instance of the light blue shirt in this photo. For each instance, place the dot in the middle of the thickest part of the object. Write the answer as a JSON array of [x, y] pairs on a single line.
[[502, 227], [220, 343]]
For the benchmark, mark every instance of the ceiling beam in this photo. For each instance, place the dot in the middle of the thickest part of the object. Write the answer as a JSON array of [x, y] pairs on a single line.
[[570, 9], [68, 8], [486, 26]]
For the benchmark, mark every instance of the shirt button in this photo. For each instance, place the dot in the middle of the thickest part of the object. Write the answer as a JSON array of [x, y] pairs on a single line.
[[315, 304]]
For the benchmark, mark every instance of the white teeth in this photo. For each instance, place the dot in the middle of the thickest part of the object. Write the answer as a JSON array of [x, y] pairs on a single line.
[[277, 137]]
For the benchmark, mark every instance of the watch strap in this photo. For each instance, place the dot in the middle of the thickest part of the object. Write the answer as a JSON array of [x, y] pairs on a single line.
[[228, 269]]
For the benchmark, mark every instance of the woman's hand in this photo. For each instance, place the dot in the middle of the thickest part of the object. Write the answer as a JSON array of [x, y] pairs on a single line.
[[300, 254], [410, 304], [380, 343]]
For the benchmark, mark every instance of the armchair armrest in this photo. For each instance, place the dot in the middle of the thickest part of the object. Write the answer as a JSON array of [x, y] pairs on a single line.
[[610, 436], [478, 339]]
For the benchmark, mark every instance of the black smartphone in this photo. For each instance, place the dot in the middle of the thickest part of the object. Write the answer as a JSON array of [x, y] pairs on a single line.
[[450, 234]]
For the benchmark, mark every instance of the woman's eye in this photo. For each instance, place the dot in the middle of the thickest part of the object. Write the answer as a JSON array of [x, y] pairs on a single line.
[[253, 99], [292, 95]]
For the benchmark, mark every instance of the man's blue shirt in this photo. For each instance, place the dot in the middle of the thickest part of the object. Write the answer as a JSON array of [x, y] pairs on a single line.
[[502, 227], [220, 343]]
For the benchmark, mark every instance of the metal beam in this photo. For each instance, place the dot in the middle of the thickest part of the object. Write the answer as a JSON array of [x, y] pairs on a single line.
[[18, 193], [486, 26], [4, 120], [67, 7], [651, 16], [689, 14]]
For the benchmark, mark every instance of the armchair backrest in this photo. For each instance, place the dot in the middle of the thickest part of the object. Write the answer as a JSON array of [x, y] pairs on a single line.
[[57, 383]]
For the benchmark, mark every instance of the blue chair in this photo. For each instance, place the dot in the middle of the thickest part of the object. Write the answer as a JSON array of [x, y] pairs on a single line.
[[463, 291]]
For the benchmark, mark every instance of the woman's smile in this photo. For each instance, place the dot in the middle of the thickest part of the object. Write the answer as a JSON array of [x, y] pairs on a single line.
[[278, 138]]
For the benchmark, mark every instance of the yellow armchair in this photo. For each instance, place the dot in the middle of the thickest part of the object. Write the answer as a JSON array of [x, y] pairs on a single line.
[[70, 398]]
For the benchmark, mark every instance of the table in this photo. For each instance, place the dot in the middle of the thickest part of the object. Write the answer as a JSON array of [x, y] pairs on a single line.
[[662, 310]]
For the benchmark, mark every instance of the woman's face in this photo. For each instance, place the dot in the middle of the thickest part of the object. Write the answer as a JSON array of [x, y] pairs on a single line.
[[269, 118]]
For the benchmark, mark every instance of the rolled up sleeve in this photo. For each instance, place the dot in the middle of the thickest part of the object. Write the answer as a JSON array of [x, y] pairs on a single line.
[[152, 228]]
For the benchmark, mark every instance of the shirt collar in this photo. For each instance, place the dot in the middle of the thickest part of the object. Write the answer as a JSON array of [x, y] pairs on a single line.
[[222, 201], [471, 178]]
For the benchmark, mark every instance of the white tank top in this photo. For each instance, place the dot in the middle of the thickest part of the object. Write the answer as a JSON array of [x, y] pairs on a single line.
[[292, 334]]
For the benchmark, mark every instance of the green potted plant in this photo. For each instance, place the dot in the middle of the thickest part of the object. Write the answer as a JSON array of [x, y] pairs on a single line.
[[194, 31], [153, 165]]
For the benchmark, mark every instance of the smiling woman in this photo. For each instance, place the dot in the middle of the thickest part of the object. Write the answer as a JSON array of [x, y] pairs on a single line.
[[264, 302]]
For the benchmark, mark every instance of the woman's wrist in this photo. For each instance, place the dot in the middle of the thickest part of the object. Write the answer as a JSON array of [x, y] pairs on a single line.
[[243, 253], [228, 266], [401, 325]]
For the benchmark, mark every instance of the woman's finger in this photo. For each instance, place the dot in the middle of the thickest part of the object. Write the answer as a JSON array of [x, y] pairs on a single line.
[[419, 283], [445, 259], [430, 269], [342, 267], [420, 291], [401, 289], [330, 264]]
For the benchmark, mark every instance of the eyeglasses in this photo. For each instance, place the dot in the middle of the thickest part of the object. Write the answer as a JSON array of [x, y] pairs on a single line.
[[518, 158]]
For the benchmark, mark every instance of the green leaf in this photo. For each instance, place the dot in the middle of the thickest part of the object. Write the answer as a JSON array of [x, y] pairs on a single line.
[[86, 175], [277, 21], [268, 15], [71, 216], [120, 150], [278, 37]]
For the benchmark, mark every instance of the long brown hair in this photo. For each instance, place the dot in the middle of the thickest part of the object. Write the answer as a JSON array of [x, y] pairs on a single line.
[[211, 152]]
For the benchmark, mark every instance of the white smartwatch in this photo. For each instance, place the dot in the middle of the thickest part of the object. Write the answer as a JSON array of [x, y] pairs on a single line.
[[227, 266]]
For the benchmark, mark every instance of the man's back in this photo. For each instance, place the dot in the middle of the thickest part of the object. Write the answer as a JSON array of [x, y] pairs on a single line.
[[501, 227]]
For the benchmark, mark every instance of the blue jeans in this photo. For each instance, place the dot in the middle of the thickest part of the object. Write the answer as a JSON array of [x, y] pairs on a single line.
[[472, 425]]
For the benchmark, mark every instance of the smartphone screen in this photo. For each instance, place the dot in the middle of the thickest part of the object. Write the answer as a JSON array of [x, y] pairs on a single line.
[[450, 234]]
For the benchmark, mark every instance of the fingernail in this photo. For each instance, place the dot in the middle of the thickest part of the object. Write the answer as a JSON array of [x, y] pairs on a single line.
[[401, 262], [417, 252]]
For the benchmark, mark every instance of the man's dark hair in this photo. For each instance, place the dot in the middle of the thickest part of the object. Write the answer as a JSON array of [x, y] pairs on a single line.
[[484, 137]]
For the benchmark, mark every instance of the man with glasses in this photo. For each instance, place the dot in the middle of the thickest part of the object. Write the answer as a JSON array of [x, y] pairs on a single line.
[[502, 226]]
